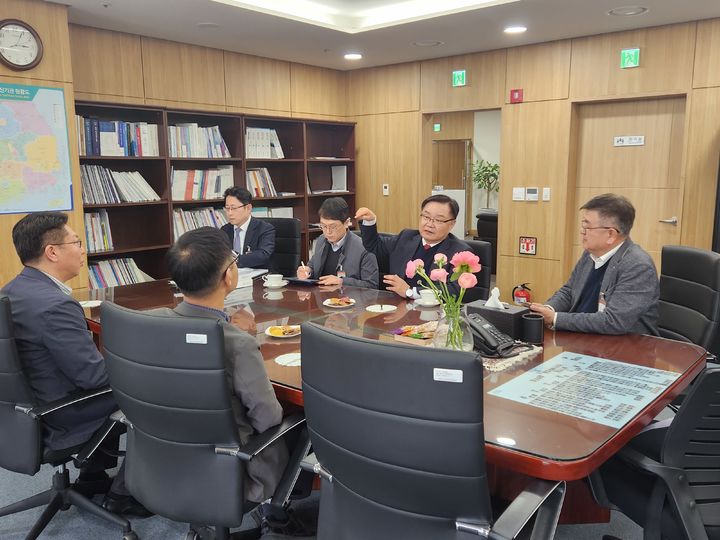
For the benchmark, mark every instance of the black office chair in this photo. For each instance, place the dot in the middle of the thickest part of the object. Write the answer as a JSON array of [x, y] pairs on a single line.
[[668, 481], [288, 246], [689, 307], [21, 441], [397, 432], [184, 458], [481, 291]]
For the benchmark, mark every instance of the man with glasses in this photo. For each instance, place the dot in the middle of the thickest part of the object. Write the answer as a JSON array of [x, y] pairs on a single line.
[[437, 217], [253, 239], [339, 258], [56, 349], [614, 287]]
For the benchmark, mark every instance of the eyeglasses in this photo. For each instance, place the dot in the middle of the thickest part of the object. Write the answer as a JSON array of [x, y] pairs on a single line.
[[427, 219], [78, 243], [331, 228], [584, 229], [235, 257], [234, 208]]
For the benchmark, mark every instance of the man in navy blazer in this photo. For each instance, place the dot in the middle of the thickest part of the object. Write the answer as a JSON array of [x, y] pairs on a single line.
[[437, 217], [252, 238]]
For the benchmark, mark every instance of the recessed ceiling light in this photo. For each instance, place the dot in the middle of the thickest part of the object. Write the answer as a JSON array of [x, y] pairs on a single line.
[[207, 25], [515, 29], [428, 43], [628, 11], [353, 56]]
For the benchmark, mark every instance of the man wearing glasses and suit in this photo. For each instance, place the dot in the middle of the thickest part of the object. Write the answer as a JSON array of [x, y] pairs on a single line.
[[437, 217], [253, 239], [614, 287]]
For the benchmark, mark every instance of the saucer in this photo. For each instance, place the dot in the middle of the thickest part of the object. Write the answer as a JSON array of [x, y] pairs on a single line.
[[381, 308], [295, 327], [290, 359], [425, 303], [280, 286]]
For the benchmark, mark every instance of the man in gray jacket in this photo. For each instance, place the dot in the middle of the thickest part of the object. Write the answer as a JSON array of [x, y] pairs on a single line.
[[614, 287]]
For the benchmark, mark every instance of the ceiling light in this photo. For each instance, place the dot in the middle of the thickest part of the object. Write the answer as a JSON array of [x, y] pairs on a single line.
[[627, 11], [353, 56], [428, 43], [515, 29]]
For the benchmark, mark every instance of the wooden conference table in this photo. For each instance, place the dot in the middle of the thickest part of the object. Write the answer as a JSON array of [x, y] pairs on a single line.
[[519, 437]]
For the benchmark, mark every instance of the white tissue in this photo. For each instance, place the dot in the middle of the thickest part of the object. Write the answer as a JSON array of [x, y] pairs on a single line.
[[494, 300]]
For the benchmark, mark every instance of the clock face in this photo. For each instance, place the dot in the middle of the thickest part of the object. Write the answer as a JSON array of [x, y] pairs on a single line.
[[20, 45]]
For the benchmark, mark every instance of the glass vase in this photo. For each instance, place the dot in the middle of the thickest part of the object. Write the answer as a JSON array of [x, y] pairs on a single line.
[[453, 331]]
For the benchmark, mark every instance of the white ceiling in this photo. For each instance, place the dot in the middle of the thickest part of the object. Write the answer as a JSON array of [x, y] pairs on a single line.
[[263, 34]]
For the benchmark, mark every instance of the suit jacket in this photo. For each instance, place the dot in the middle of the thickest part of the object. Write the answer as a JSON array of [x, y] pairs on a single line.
[[58, 356], [631, 290], [254, 404], [396, 251], [360, 267], [259, 243]]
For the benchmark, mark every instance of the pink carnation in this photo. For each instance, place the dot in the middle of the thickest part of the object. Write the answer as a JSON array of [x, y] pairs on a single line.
[[466, 261], [439, 274], [413, 266], [440, 259], [467, 280]]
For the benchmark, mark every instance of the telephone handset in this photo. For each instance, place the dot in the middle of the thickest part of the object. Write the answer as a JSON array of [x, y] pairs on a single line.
[[488, 339]]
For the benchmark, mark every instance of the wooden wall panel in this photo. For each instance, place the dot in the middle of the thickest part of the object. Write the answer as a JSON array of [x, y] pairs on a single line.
[[707, 54], [387, 150], [455, 125], [485, 82], [384, 89], [182, 73], [106, 63], [50, 22], [215, 107], [666, 62], [544, 277], [542, 71], [108, 98], [317, 90], [253, 82], [701, 174]]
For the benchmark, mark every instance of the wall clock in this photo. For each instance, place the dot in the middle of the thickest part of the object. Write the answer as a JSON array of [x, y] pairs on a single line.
[[20, 45]]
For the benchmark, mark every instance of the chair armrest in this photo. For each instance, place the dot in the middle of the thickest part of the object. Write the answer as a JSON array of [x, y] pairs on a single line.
[[312, 465], [78, 397], [260, 442], [543, 497], [94, 443], [710, 358]]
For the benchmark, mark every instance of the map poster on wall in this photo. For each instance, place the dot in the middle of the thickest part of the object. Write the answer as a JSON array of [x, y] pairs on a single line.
[[34, 150]]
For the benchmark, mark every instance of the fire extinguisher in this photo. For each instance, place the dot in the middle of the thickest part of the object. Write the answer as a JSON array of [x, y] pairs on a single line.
[[521, 294]]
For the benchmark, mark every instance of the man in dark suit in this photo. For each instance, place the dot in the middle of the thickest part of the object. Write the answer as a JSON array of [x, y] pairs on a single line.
[[437, 216], [56, 349], [252, 238]]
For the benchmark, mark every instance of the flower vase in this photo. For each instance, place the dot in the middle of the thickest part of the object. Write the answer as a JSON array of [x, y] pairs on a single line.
[[453, 331]]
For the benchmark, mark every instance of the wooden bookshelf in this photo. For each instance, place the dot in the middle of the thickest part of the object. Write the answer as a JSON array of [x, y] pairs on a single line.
[[144, 230]]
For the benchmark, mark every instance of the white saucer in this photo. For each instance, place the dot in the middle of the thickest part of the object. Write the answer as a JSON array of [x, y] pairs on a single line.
[[297, 326], [381, 308], [90, 303], [282, 284], [327, 303], [424, 303], [290, 359]]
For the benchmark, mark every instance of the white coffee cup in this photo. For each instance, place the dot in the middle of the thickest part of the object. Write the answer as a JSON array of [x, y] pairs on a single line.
[[427, 296], [274, 280]]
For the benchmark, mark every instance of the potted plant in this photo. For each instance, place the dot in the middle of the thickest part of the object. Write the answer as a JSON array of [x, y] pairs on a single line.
[[486, 175]]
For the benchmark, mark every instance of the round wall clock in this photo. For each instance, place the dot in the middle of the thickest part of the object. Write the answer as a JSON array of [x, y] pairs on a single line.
[[20, 45]]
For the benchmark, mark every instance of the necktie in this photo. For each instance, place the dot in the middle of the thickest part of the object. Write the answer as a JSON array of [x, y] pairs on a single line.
[[426, 247], [237, 241]]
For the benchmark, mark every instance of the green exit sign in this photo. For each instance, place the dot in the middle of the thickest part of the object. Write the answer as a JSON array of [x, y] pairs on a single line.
[[436, 127], [629, 58], [459, 78]]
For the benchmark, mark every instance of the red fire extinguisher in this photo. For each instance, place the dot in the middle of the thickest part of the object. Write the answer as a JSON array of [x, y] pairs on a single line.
[[521, 294]]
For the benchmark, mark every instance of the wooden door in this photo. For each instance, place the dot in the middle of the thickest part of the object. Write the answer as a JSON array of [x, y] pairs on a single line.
[[650, 174], [449, 164]]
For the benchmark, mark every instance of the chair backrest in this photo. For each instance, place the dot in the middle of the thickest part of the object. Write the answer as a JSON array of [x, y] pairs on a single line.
[[689, 308], [692, 443], [168, 376], [481, 291], [20, 435], [288, 245], [400, 428]]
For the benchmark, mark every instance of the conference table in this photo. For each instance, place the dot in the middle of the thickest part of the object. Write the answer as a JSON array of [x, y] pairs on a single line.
[[520, 437]]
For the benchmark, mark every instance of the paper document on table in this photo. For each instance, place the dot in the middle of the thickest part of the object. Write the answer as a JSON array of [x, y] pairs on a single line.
[[607, 392]]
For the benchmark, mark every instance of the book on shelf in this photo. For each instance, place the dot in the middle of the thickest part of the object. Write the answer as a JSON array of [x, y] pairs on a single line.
[[339, 177], [189, 140], [262, 143], [97, 231], [199, 184], [286, 193], [103, 186], [187, 220], [259, 183], [115, 272], [116, 138], [279, 212]]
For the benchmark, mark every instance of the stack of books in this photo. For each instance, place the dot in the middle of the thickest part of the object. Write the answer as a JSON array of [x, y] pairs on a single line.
[[187, 220], [103, 186], [262, 143], [114, 272], [281, 212], [116, 138], [193, 141], [259, 183], [193, 185], [97, 231]]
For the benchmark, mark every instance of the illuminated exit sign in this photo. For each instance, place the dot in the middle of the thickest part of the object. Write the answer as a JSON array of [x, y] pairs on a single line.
[[629, 58], [459, 78]]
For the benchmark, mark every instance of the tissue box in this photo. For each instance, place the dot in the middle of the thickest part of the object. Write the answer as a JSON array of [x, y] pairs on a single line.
[[508, 321]]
